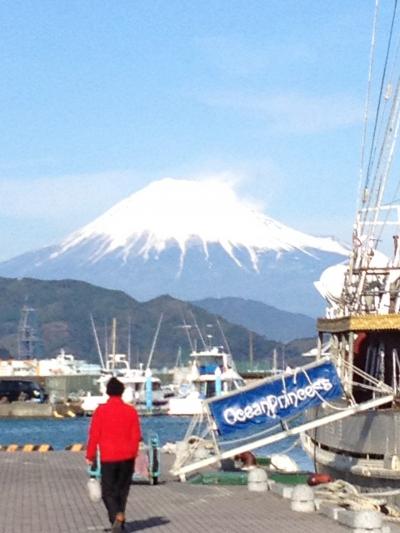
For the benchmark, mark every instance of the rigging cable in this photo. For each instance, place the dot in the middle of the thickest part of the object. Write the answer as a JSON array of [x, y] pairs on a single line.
[[374, 199], [368, 98], [378, 109], [392, 130], [397, 189]]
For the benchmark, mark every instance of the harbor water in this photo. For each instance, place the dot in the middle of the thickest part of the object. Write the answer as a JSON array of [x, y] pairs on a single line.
[[61, 433]]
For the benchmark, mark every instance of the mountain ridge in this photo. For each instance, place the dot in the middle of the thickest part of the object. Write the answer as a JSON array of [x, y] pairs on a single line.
[[64, 307], [263, 319]]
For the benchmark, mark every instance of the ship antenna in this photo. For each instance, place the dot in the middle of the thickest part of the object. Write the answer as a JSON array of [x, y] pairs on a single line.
[[199, 331], [187, 328], [224, 338], [28, 338]]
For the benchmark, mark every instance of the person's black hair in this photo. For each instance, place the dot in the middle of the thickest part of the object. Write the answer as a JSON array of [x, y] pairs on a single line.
[[115, 387]]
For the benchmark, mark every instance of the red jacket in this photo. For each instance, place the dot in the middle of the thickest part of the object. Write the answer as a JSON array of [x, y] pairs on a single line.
[[115, 430]]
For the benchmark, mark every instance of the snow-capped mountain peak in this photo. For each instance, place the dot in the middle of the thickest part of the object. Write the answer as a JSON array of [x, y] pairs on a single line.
[[191, 240], [209, 212]]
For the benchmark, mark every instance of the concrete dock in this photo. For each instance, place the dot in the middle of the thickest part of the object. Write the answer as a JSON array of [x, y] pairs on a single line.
[[46, 493]]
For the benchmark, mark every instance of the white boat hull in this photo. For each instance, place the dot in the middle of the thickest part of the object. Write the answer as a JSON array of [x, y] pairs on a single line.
[[185, 406], [91, 402]]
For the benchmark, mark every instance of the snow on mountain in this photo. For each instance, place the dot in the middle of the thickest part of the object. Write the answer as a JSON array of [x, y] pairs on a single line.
[[192, 240], [183, 210]]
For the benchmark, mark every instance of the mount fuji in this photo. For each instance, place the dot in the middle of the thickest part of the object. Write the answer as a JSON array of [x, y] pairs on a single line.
[[192, 240]]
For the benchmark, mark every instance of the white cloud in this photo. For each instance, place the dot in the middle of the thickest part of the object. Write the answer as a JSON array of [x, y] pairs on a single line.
[[235, 56], [260, 182], [292, 112]]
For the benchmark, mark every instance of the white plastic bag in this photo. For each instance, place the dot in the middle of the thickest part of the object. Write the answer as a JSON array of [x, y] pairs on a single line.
[[94, 489]]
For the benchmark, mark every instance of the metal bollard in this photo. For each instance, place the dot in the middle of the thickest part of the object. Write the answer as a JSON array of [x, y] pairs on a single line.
[[302, 499], [148, 389], [257, 480], [361, 521]]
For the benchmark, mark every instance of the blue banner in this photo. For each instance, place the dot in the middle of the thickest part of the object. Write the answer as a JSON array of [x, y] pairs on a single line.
[[272, 401]]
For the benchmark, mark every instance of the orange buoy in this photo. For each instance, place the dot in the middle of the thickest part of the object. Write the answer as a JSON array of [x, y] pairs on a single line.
[[318, 479]]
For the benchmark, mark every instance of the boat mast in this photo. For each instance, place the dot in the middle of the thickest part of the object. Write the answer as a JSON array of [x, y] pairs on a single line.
[[370, 284], [227, 347], [199, 333], [187, 328], [363, 322], [97, 341], [129, 341], [114, 341], [154, 341]]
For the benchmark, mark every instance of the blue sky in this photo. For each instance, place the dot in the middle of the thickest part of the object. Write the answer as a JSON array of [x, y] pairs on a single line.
[[98, 98]]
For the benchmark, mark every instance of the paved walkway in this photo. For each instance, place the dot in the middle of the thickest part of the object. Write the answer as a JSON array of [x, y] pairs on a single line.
[[46, 493]]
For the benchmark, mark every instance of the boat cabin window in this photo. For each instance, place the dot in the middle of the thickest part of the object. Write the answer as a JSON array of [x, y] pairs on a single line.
[[207, 389], [208, 368]]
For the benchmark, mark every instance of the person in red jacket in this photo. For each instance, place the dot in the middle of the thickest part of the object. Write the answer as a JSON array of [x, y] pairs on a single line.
[[115, 432]]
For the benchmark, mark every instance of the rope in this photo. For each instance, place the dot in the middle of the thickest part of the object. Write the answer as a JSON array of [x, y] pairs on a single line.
[[348, 496], [323, 400], [196, 420], [185, 454], [376, 385], [192, 442], [381, 387]]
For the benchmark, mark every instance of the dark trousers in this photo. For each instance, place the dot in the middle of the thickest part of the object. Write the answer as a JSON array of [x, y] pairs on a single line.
[[116, 479]]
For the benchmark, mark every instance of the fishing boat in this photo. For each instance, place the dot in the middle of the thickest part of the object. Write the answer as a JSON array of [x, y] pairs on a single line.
[[362, 322], [16, 367], [66, 364], [63, 364], [134, 380], [211, 372], [30, 360], [142, 388]]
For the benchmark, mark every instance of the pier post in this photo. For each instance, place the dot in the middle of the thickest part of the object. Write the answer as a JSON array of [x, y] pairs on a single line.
[[218, 382], [349, 384], [149, 389]]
